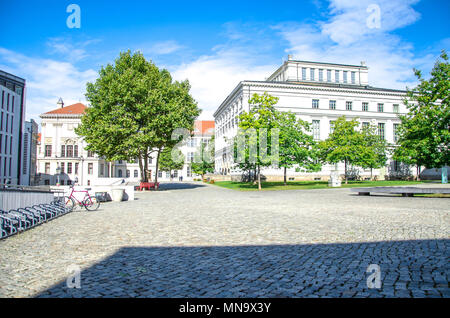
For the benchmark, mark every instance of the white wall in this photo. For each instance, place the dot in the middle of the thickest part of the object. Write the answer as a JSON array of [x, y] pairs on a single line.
[[298, 99]]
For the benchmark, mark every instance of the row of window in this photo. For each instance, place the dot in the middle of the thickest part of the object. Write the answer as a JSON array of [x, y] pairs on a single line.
[[69, 168], [381, 129], [67, 151], [8, 122], [345, 79], [3, 163], [192, 142], [349, 106], [5, 101], [5, 150]]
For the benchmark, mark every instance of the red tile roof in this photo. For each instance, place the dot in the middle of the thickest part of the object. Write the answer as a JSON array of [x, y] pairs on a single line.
[[75, 109], [204, 127]]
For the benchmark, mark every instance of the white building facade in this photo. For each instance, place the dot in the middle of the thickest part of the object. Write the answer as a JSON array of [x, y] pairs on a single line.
[[318, 93], [62, 155]]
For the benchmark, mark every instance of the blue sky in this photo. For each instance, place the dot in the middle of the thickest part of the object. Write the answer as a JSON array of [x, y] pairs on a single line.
[[214, 44]]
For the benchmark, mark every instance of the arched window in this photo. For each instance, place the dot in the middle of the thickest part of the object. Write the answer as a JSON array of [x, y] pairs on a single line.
[[128, 173], [120, 173]]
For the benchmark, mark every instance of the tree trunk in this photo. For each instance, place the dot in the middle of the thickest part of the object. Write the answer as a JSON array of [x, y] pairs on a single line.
[[371, 174], [285, 182], [418, 172], [156, 170], [146, 166], [346, 179], [141, 167], [259, 178]]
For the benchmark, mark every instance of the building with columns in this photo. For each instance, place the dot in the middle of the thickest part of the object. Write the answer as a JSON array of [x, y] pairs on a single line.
[[318, 93], [62, 155]]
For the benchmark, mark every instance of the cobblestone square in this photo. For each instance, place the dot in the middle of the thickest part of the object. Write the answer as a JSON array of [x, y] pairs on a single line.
[[197, 240]]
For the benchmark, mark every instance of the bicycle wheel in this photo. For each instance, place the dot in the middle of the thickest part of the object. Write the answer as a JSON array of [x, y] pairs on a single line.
[[69, 204], [91, 204]]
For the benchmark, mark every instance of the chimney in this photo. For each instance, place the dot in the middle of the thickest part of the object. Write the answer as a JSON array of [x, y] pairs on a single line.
[[290, 57], [363, 63]]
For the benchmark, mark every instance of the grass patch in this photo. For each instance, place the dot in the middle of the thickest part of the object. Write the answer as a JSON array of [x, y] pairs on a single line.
[[433, 195], [303, 185]]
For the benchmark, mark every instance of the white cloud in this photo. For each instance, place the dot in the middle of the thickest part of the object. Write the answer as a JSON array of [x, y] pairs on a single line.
[[163, 48], [351, 20], [68, 49], [346, 38], [213, 77], [46, 81]]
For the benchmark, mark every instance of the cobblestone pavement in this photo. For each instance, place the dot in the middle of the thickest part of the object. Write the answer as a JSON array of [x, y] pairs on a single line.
[[191, 240]]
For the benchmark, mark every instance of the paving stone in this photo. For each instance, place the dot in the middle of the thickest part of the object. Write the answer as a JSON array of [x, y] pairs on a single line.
[[206, 241]]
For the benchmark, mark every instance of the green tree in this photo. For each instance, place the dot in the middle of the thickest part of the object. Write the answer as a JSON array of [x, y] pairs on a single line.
[[424, 134], [297, 145], [256, 127], [204, 159], [135, 107], [171, 159], [374, 152], [344, 144]]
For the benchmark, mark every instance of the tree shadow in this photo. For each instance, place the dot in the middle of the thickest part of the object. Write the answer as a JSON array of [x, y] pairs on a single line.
[[418, 268], [178, 186], [394, 195]]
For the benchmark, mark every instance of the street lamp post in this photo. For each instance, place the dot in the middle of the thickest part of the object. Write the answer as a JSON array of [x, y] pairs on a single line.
[[81, 171]]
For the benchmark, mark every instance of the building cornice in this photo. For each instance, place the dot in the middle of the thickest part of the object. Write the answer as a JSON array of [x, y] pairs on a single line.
[[330, 87], [58, 116]]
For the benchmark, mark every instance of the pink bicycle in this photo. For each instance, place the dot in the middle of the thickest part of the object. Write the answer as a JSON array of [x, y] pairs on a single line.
[[89, 203]]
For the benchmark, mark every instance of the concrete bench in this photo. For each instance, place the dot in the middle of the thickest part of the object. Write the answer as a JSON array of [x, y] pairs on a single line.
[[404, 191]]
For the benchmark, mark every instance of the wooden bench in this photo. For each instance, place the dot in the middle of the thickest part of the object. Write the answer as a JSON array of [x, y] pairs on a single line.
[[147, 185], [404, 191]]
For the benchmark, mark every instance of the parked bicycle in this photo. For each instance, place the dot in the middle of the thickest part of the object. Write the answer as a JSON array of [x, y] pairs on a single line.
[[88, 202]]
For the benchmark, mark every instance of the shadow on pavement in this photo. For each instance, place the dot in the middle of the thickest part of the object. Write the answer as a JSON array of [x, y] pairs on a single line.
[[418, 268], [179, 186]]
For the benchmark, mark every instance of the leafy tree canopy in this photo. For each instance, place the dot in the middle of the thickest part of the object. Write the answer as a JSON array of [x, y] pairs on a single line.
[[135, 107], [424, 134]]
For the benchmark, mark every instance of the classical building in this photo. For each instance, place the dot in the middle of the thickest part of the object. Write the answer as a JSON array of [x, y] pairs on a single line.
[[12, 94], [62, 154], [318, 93]]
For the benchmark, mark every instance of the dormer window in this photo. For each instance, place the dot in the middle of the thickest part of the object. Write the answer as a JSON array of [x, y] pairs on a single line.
[[321, 75], [353, 77], [336, 76], [328, 75], [303, 73], [312, 74], [345, 76]]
